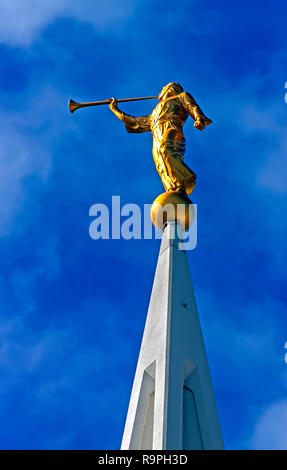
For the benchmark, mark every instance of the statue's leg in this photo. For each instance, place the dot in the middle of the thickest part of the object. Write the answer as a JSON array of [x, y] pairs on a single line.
[[174, 173], [162, 169], [181, 176], [168, 183]]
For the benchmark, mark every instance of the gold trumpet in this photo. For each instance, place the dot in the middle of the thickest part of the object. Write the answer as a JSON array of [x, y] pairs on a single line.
[[73, 105]]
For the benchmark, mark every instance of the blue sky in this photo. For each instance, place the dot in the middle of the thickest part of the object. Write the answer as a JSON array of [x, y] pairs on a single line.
[[72, 308]]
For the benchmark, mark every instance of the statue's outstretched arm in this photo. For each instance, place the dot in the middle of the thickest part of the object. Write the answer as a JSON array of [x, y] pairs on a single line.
[[114, 108], [195, 111], [133, 124]]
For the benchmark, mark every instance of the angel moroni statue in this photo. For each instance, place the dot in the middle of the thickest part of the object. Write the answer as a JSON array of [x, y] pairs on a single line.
[[166, 124]]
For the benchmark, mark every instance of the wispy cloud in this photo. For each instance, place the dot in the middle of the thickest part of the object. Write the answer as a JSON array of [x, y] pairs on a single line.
[[270, 431], [26, 154], [21, 22]]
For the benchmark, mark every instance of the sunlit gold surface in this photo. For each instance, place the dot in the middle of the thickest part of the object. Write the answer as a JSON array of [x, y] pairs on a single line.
[[172, 206], [166, 123]]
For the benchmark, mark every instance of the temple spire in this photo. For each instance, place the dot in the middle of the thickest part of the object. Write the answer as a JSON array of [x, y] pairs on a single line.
[[172, 405]]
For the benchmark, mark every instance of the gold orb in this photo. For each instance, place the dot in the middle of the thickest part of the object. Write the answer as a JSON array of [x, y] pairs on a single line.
[[172, 206]]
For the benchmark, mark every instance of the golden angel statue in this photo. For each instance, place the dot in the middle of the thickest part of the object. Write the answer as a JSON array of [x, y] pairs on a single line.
[[166, 124]]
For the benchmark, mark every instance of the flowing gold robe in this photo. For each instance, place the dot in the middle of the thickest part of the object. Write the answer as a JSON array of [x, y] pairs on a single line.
[[166, 123]]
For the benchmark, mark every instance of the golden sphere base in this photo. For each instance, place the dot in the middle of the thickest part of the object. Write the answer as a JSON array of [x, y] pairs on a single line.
[[170, 207]]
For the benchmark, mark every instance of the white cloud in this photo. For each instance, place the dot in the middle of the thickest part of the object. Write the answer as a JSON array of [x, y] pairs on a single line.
[[253, 118], [18, 160], [25, 152], [273, 175], [61, 351], [21, 21], [268, 120], [271, 430]]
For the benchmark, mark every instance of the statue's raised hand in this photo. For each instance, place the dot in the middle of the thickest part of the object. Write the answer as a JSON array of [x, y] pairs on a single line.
[[113, 104]]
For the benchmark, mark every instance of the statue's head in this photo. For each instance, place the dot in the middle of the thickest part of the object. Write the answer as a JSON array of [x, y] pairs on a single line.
[[171, 89]]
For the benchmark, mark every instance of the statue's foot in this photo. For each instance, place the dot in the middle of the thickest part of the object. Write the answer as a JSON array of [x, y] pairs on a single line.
[[178, 189], [181, 190], [190, 185]]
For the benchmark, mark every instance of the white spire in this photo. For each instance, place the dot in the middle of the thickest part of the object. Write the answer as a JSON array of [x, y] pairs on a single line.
[[172, 405]]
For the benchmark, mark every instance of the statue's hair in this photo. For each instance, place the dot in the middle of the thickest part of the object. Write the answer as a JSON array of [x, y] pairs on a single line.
[[176, 87], [173, 88]]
